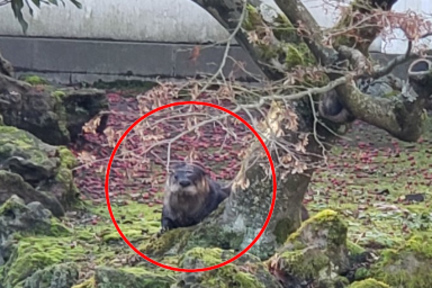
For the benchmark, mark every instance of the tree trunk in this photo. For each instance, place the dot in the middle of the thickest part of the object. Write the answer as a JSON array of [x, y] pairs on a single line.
[[239, 222]]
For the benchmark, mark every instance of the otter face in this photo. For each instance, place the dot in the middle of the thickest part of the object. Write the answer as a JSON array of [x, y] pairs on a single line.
[[187, 179]]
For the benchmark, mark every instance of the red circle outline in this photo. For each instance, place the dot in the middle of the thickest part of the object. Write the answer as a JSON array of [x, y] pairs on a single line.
[[198, 269]]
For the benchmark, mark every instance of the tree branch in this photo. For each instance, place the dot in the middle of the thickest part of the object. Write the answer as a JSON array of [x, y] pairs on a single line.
[[395, 62], [227, 13]]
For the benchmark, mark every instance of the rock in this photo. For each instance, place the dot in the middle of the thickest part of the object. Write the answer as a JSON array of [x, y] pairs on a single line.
[[369, 283], [14, 184], [54, 116], [56, 276], [36, 171], [31, 219], [26, 155], [316, 254], [131, 278], [409, 266], [15, 216], [248, 271]]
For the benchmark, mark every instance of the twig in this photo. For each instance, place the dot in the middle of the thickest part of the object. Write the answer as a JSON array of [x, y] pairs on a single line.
[[395, 62], [225, 55]]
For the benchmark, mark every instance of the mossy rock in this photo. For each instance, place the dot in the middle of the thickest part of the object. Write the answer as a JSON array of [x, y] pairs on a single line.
[[247, 271], [26, 155], [63, 275], [32, 254], [13, 184], [211, 233], [369, 283], [62, 186], [36, 171], [32, 218], [131, 278], [56, 116], [409, 266], [169, 243], [316, 252]]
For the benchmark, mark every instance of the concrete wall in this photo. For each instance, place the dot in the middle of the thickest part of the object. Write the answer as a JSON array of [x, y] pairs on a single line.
[[157, 21], [135, 20], [135, 39]]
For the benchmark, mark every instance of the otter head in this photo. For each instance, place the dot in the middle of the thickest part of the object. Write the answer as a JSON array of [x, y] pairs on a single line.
[[187, 179]]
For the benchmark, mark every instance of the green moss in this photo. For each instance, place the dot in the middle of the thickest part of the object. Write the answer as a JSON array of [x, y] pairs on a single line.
[[362, 273], [67, 159], [60, 275], [138, 222], [409, 266], [305, 265], [15, 140], [173, 239], [58, 94], [223, 277], [391, 94], [35, 80], [11, 204], [298, 55], [301, 258], [369, 283], [89, 283], [132, 278], [324, 220], [354, 249], [65, 176], [34, 253], [253, 18]]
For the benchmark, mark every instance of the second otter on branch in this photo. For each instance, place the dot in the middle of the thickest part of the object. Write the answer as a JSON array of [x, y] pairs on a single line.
[[190, 196]]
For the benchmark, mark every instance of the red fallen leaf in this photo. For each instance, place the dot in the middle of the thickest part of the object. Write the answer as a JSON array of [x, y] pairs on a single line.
[[146, 196], [94, 221]]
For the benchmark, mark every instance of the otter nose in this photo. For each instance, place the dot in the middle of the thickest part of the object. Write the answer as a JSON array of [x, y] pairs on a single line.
[[184, 183]]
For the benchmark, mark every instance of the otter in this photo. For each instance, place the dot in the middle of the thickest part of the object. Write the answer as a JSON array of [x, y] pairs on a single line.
[[190, 196], [332, 109]]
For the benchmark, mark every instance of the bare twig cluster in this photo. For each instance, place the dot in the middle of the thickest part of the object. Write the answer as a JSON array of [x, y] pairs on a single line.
[[178, 133]]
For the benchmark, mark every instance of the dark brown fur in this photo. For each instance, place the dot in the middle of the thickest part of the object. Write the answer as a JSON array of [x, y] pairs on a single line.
[[332, 109], [190, 196], [304, 213]]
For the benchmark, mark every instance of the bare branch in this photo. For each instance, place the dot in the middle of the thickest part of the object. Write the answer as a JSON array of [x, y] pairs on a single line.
[[395, 62]]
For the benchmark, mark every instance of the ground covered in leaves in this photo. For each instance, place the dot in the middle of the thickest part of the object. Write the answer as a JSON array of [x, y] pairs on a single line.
[[381, 186]]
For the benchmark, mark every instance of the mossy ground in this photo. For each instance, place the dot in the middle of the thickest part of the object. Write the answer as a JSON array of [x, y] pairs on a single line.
[[351, 185], [89, 244], [367, 182], [373, 219]]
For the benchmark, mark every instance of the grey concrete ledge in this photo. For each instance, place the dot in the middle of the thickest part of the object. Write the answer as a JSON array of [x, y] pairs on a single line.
[[89, 60], [69, 61]]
